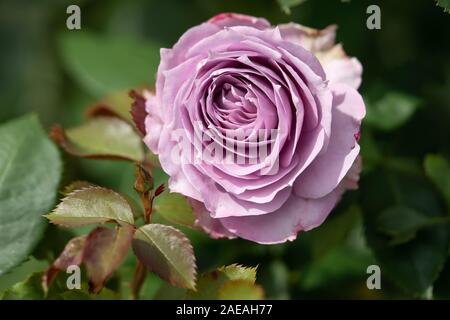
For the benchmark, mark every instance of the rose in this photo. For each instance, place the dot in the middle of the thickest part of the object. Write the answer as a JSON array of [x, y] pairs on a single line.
[[236, 72]]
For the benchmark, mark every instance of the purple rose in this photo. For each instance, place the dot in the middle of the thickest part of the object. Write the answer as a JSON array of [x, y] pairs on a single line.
[[289, 91]]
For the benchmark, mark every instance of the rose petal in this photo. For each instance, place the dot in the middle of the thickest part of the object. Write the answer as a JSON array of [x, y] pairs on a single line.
[[210, 225], [234, 19], [327, 171], [297, 214], [311, 39], [276, 227]]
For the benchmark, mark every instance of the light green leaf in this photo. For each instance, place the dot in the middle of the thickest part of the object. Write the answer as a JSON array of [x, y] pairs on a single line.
[[239, 272], [175, 208], [30, 169], [210, 284], [90, 206], [167, 252], [107, 64], [29, 289], [438, 170], [392, 111], [76, 185], [240, 290], [286, 5], [101, 138], [117, 104], [445, 4]]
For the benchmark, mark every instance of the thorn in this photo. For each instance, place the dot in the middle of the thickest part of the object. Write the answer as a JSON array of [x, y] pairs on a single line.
[[159, 190]]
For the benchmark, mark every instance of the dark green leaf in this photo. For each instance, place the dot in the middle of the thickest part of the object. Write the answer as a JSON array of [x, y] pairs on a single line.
[[30, 169], [402, 223], [438, 170], [334, 232], [286, 5], [392, 111], [339, 265], [414, 265], [445, 4], [442, 285]]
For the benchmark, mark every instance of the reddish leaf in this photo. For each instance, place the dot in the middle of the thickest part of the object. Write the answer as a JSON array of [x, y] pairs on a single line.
[[159, 190], [104, 251], [138, 112], [71, 255]]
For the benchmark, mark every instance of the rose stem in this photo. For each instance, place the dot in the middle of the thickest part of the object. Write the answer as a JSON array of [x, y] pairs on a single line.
[[140, 272]]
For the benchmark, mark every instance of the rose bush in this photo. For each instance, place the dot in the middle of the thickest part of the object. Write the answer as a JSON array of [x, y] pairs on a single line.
[[237, 72]]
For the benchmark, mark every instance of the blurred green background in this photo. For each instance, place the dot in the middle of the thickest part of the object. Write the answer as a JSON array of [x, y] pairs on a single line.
[[57, 73]]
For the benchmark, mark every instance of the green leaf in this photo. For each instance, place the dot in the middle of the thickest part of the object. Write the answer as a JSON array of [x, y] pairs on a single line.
[[414, 265], [117, 104], [104, 251], [101, 138], [175, 208], [76, 185], [210, 284], [438, 170], [286, 5], [107, 64], [341, 264], [239, 272], [240, 290], [21, 272], [29, 289], [106, 294], [167, 252], [334, 232], [402, 223], [30, 169], [442, 284], [90, 206], [445, 4], [392, 111]]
